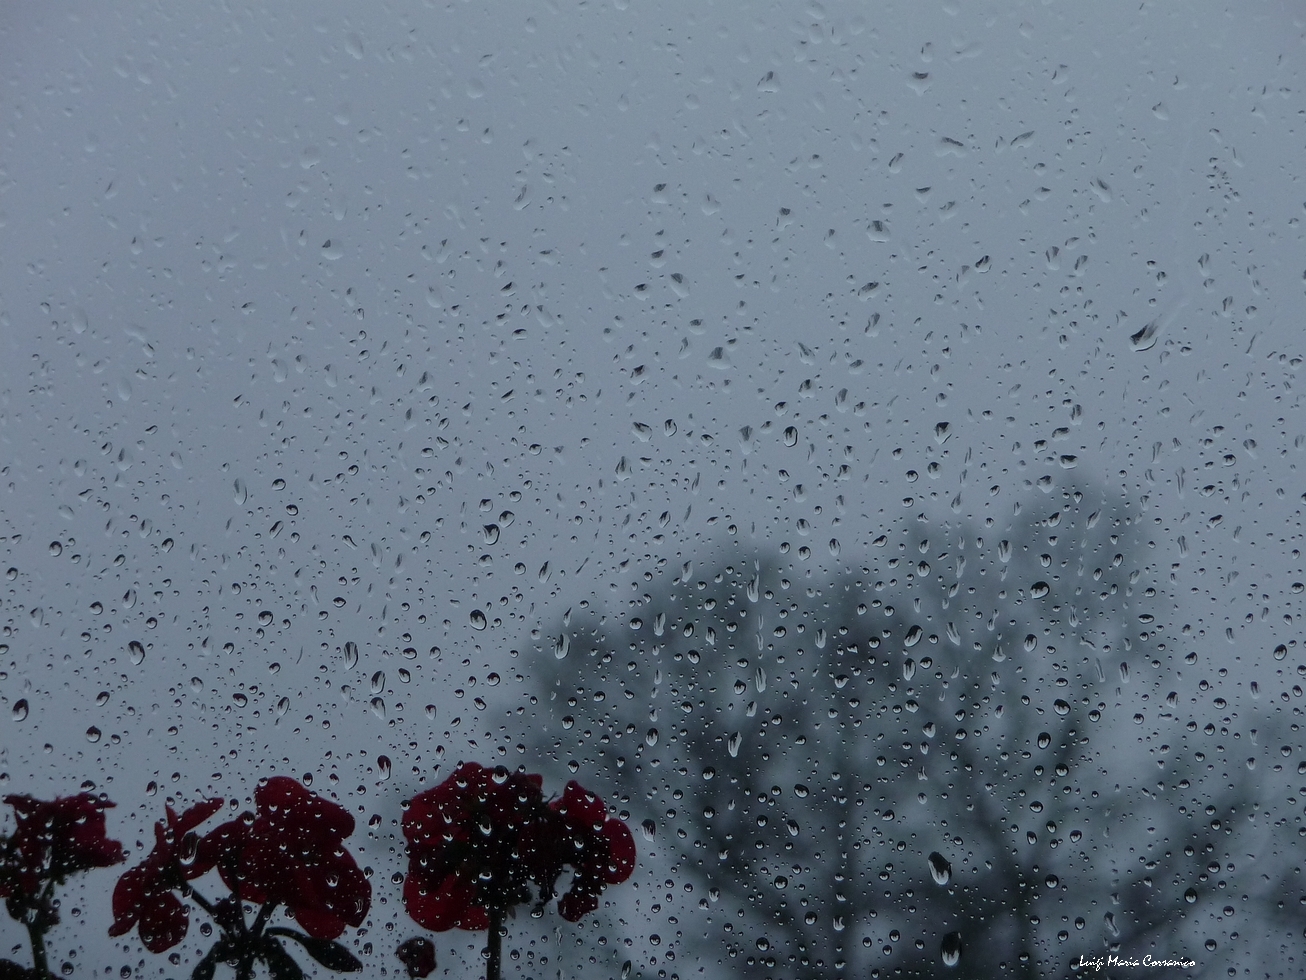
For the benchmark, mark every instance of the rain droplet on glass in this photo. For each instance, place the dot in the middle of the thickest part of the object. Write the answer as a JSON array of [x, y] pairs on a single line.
[[940, 868], [950, 949]]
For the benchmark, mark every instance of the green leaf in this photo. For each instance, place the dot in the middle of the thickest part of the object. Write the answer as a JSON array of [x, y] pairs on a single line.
[[281, 966], [330, 954]]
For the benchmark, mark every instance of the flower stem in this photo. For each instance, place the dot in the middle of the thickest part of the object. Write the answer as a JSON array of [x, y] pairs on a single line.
[[496, 943], [262, 919], [36, 935], [198, 899]]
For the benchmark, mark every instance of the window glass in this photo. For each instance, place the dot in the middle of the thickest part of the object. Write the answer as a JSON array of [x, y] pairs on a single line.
[[858, 442]]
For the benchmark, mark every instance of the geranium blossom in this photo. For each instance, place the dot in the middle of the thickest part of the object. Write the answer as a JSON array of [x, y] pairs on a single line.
[[144, 895], [479, 837], [291, 852], [580, 834], [53, 840], [464, 845]]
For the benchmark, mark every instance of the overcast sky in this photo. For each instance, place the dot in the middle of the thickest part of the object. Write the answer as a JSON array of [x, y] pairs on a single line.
[[296, 302]]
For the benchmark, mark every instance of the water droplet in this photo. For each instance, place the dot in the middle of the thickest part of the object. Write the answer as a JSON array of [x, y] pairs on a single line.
[[791, 436], [56, 549], [378, 682], [1039, 589], [1060, 707], [941, 432], [649, 828], [93, 734], [478, 620], [265, 618], [732, 744], [1280, 652], [136, 651], [561, 646], [940, 869], [1190, 896], [1109, 920], [383, 766], [1044, 740], [544, 572], [351, 655], [19, 710], [283, 705], [651, 739], [759, 680], [378, 708], [1145, 339], [950, 949], [490, 532]]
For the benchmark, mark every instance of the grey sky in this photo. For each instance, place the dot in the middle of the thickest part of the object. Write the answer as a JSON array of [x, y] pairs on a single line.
[[550, 260]]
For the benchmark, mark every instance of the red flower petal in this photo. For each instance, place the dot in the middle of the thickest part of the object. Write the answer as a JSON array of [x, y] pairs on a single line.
[[221, 847], [418, 956], [621, 847], [163, 922], [577, 904], [319, 923], [196, 815], [441, 905], [128, 895], [581, 807]]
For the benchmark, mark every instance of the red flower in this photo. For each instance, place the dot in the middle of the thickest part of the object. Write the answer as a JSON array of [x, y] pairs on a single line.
[[600, 849], [144, 894], [52, 841], [291, 852], [464, 846], [417, 954]]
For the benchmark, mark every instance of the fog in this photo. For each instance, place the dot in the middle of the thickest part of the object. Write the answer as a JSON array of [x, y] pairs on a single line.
[[420, 328]]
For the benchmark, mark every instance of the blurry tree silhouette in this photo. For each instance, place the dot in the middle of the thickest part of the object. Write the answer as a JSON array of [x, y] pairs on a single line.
[[922, 766]]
